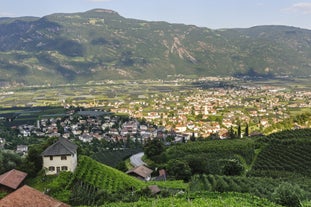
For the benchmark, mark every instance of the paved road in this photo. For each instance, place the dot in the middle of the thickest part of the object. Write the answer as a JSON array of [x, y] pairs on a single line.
[[136, 159]]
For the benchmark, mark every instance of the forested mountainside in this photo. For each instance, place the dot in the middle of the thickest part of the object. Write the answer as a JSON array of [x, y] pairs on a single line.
[[100, 44]]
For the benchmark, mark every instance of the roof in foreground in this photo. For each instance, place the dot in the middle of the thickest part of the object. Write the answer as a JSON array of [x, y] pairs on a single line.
[[12, 178], [27, 196], [61, 147]]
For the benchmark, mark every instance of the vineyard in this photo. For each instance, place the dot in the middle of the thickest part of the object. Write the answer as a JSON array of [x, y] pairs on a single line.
[[112, 158], [272, 163], [261, 187], [245, 148], [290, 134], [104, 177], [284, 154], [93, 183], [209, 157], [200, 200], [280, 159]]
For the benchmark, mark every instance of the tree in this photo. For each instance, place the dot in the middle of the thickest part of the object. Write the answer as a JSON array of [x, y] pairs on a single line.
[[231, 133], [287, 194], [33, 162], [122, 166], [179, 169], [153, 149], [192, 137], [233, 167], [8, 161], [246, 130], [239, 131], [198, 164]]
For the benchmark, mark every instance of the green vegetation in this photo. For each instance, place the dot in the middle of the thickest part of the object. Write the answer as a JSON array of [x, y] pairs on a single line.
[[104, 177], [97, 45], [201, 199], [266, 166], [8, 161], [262, 187], [214, 156], [284, 157], [284, 153], [288, 195], [114, 157], [92, 183], [259, 170]]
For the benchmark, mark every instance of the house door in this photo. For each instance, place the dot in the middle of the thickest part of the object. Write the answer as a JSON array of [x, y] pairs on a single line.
[[57, 170]]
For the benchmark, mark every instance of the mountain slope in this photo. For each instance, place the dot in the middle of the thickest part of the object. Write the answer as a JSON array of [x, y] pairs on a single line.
[[101, 44]]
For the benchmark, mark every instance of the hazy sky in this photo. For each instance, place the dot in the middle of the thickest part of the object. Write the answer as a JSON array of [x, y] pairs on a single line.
[[206, 13]]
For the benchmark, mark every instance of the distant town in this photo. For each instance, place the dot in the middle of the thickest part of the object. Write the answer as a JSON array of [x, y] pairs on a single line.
[[177, 110]]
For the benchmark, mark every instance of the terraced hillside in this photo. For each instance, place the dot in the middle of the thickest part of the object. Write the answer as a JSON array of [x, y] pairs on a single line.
[[91, 183], [284, 154]]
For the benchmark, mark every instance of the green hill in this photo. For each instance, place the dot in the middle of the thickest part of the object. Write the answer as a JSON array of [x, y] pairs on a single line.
[[284, 154], [92, 183], [238, 172], [260, 166], [100, 44]]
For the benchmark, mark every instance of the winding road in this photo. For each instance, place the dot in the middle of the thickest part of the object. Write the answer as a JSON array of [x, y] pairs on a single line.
[[136, 159]]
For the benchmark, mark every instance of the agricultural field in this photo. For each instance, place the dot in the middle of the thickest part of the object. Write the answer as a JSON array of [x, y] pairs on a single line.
[[95, 184], [112, 158], [201, 200], [284, 154], [263, 187], [16, 116], [209, 156]]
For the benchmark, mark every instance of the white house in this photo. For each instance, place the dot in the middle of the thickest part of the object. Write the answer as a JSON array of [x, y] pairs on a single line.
[[60, 156]]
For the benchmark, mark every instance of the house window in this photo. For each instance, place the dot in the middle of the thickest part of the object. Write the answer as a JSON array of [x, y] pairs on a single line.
[[64, 168], [51, 157], [63, 157], [51, 168]]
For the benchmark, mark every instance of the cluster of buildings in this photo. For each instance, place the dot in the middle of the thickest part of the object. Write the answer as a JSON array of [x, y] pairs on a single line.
[[210, 111], [89, 125], [198, 113]]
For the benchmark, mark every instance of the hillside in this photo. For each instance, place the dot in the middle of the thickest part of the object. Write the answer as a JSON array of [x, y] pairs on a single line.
[[92, 183], [100, 44], [256, 171]]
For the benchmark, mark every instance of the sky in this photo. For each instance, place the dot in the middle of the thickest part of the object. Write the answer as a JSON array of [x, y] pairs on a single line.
[[214, 14]]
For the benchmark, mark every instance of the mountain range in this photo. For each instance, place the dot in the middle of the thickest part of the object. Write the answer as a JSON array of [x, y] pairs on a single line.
[[100, 44]]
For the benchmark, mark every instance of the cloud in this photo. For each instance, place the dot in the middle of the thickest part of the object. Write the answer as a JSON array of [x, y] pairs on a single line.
[[302, 7]]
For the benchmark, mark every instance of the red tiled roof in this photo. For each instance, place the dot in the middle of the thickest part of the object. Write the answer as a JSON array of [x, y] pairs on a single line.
[[12, 178], [27, 196]]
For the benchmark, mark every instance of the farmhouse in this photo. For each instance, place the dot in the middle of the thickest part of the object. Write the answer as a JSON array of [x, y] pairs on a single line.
[[141, 172], [60, 156]]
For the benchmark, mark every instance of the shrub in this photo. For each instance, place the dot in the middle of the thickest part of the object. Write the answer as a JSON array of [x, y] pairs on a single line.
[[233, 167], [287, 194], [179, 169]]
